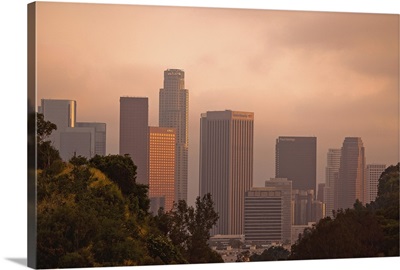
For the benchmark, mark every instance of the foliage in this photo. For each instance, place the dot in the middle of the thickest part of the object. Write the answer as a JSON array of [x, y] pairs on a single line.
[[364, 231], [274, 253], [46, 153], [189, 228]]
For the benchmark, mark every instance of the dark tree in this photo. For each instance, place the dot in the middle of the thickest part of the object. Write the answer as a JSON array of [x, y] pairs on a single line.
[[275, 253], [46, 153]]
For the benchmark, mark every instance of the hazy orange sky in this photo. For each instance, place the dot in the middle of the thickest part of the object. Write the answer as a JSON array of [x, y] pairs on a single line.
[[328, 75]]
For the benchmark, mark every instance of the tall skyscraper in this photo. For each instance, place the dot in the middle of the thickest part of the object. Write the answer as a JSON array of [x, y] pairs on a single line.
[[60, 112], [373, 173], [226, 165], [296, 160], [331, 180], [351, 181], [174, 113], [77, 142], [162, 144], [133, 133]]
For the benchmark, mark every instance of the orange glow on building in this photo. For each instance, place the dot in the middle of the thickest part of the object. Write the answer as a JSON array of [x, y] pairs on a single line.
[[162, 143]]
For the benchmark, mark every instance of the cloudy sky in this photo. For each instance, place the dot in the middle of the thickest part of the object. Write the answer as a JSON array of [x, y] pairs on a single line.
[[328, 75]]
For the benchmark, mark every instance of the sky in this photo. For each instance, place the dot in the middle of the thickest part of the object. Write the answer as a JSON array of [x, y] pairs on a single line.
[[325, 74]]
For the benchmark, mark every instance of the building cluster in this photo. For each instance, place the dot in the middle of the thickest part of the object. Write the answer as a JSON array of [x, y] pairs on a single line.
[[275, 213], [72, 138]]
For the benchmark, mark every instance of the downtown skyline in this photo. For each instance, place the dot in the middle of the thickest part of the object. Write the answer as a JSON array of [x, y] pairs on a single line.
[[285, 70]]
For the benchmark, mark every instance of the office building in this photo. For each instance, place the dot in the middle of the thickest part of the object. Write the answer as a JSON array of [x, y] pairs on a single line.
[[296, 160], [267, 213], [331, 180], [373, 173], [174, 113], [226, 165], [162, 142], [100, 134], [351, 181], [62, 113], [133, 134]]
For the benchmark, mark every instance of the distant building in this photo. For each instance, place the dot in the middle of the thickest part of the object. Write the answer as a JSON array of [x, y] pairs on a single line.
[[331, 180], [296, 160], [226, 165], [174, 113], [305, 208], [162, 142], [320, 192], [133, 133], [77, 142], [351, 181], [100, 135], [267, 213], [73, 138], [373, 173], [156, 203], [59, 112]]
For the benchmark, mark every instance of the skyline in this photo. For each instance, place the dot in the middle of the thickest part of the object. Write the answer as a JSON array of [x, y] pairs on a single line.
[[270, 65]]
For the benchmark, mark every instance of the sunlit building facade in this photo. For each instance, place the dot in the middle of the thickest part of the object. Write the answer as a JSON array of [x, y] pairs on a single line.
[[331, 180], [162, 143]]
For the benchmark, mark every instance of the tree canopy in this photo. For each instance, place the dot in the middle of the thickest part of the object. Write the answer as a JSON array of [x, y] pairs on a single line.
[[364, 231]]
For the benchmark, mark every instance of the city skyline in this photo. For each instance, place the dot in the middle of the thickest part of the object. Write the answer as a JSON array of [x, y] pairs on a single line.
[[285, 69]]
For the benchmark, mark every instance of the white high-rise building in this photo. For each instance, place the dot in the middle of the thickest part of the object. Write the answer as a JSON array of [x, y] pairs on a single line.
[[226, 165], [331, 178], [373, 173], [174, 113]]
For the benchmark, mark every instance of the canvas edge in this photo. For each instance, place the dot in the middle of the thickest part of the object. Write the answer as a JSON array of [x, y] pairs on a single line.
[[32, 157]]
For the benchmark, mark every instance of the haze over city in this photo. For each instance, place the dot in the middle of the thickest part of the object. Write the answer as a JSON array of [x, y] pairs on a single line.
[[328, 75]]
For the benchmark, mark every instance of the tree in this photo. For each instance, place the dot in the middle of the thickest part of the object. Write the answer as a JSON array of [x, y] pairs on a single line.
[[189, 228], [364, 231], [274, 253], [46, 153]]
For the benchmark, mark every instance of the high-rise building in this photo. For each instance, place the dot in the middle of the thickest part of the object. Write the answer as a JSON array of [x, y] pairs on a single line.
[[331, 180], [226, 165], [321, 192], [133, 133], [373, 173], [99, 135], [174, 113], [59, 112], [296, 160], [267, 212], [351, 181], [162, 142]]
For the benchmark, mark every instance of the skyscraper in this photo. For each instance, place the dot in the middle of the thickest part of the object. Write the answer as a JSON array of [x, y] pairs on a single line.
[[296, 160], [174, 113], [60, 112], [373, 173], [351, 181], [331, 180], [162, 142], [226, 165], [133, 133]]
